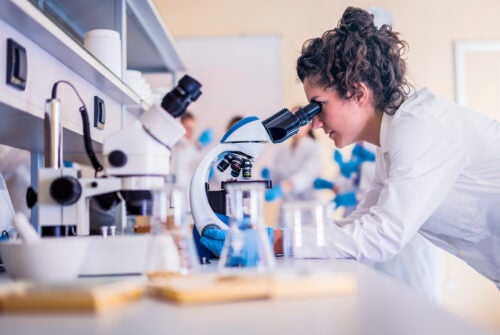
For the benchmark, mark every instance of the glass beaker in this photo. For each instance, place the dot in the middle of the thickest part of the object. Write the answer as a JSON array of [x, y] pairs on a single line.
[[303, 224], [247, 244], [172, 247]]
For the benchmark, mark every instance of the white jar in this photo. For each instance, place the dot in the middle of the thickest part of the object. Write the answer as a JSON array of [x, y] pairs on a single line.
[[105, 45]]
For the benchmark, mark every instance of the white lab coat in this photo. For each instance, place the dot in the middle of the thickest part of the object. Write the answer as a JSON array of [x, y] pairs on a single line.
[[6, 209], [185, 158], [15, 167], [418, 264], [438, 174], [300, 165]]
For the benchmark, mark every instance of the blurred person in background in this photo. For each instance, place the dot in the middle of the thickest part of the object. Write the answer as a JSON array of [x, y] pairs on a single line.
[[15, 178], [351, 183], [188, 151], [15, 165]]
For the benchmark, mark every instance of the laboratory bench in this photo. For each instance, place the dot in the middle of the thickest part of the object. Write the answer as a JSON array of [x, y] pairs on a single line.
[[378, 305]]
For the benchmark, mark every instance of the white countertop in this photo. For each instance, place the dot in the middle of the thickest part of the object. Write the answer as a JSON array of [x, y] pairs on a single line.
[[379, 306]]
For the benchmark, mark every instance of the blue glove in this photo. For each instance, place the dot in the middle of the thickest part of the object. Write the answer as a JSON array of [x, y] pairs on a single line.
[[265, 173], [345, 199], [206, 137], [322, 184], [5, 235], [274, 193], [214, 238], [346, 168], [349, 168], [363, 154], [337, 157], [248, 256]]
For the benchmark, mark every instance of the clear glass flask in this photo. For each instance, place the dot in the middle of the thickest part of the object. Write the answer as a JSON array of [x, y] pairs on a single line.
[[247, 244], [303, 224], [172, 247]]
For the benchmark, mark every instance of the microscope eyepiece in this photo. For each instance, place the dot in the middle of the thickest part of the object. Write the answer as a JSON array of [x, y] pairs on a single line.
[[285, 124], [176, 101]]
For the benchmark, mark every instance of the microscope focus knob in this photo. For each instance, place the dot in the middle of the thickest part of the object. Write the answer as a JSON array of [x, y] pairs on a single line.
[[66, 190], [117, 158]]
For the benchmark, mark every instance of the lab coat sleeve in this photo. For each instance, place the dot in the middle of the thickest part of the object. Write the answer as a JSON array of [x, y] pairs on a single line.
[[419, 165]]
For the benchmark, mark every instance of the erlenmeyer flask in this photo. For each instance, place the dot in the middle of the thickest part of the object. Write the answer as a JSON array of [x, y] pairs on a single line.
[[247, 243], [172, 247]]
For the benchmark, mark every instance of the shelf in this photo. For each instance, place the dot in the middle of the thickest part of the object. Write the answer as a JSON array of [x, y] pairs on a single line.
[[27, 19], [148, 43], [139, 53], [57, 42]]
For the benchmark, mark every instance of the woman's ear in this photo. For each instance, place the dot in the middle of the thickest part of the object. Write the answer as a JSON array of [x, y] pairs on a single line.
[[363, 94]]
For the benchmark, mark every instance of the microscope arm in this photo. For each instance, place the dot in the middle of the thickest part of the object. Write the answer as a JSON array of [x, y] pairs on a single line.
[[248, 136], [203, 214], [92, 187]]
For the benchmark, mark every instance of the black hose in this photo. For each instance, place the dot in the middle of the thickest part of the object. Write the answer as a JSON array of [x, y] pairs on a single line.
[[87, 139]]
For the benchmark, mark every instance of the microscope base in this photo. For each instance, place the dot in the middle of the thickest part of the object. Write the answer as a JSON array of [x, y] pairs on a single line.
[[116, 255]]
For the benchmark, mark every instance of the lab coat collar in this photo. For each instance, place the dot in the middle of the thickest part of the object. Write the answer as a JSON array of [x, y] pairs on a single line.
[[388, 119], [384, 127]]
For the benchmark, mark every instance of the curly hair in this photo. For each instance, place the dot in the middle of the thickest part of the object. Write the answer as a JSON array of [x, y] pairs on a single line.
[[354, 52]]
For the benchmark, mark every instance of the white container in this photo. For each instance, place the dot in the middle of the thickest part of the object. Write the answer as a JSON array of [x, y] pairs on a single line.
[[44, 260], [105, 45]]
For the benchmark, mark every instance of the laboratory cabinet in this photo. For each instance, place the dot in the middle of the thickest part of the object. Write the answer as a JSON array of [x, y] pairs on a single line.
[[51, 34]]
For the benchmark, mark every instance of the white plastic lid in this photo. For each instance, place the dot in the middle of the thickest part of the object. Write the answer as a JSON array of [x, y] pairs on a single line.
[[102, 33]]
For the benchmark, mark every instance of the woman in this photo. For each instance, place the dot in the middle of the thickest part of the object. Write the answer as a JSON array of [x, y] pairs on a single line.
[[438, 164]]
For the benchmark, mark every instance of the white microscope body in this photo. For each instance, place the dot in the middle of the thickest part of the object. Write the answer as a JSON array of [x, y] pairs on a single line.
[[246, 138], [136, 158]]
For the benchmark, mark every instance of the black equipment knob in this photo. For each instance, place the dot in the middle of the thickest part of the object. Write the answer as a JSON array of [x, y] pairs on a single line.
[[65, 190], [31, 197], [117, 158]]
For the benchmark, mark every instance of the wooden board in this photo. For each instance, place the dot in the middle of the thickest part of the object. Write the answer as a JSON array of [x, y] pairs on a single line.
[[213, 288], [201, 288], [85, 295]]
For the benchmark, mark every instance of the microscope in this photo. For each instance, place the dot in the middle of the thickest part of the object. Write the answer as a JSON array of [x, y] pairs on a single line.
[[136, 160], [237, 149]]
